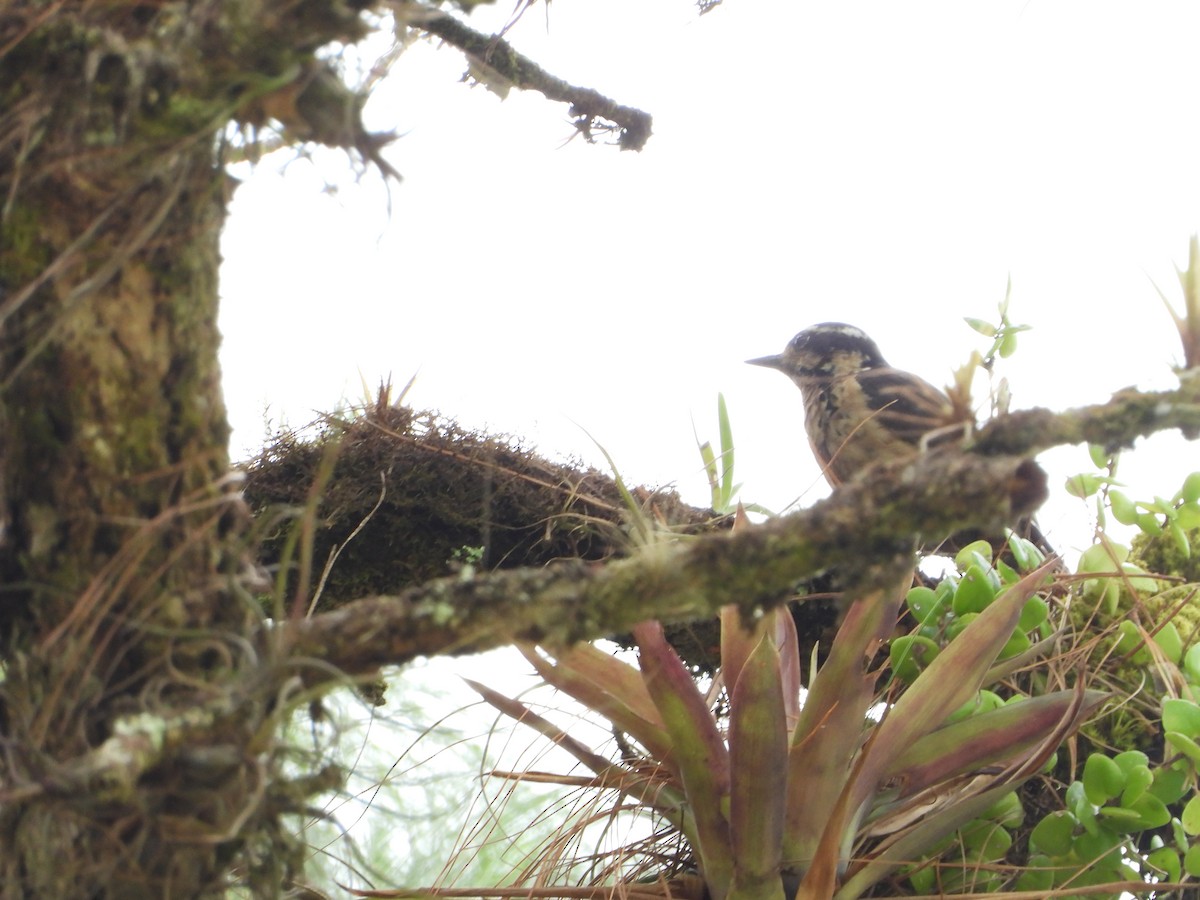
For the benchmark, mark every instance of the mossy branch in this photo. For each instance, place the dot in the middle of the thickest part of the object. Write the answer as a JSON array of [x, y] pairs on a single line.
[[1128, 415], [869, 522], [590, 108]]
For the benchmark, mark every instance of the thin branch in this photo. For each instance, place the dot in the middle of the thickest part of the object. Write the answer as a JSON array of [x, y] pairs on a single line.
[[590, 108]]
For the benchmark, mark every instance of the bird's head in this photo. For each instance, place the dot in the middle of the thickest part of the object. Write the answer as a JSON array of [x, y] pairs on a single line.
[[827, 350]]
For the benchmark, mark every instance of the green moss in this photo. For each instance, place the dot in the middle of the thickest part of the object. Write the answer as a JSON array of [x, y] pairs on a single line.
[[25, 254], [1161, 554]]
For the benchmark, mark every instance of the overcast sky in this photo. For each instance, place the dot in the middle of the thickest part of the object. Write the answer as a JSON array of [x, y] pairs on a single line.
[[889, 165]]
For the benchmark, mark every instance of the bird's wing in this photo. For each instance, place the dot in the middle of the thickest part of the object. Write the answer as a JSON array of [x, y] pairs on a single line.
[[908, 406]]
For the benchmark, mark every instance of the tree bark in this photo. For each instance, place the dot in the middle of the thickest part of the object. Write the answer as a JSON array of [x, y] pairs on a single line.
[[121, 551]]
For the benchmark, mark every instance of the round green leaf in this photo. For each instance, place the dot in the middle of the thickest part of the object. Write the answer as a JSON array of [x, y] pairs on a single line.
[[1184, 745], [924, 881], [1169, 785], [1008, 344], [1137, 782], [1170, 642], [1099, 456], [1054, 834], [1190, 492], [1103, 779], [1038, 875], [1131, 759], [1124, 510], [1182, 716], [1191, 861], [1188, 515], [976, 553], [910, 654], [1033, 613], [1018, 643], [922, 603], [1149, 524], [1151, 812], [1190, 817], [974, 593], [1102, 846], [1083, 485], [1166, 861], [955, 628]]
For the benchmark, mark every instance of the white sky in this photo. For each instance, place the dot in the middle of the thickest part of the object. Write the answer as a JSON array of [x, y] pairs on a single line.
[[884, 164]]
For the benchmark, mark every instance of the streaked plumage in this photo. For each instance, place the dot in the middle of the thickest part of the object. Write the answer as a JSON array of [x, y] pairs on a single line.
[[857, 408]]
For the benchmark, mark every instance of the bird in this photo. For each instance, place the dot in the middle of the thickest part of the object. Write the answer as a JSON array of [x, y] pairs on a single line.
[[857, 408]]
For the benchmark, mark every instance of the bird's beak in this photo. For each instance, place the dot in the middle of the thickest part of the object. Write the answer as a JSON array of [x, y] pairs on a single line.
[[770, 362]]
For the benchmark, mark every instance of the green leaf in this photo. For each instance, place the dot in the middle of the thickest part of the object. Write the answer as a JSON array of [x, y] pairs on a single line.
[[1170, 784], [1015, 645], [1008, 344], [1037, 876], [1103, 779], [975, 592], [1124, 510], [1184, 745], [910, 654], [1190, 492], [1167, 862], [977, 553], [1191, 663], [1150, 811], [1170, 642], [1099, 455], [1190, 818], [1100, 557], [1138, 781], [987, 329], [1188, 515], [1054, 834], [1191, 861], [1149, 524], [1180, 537], [1102, 846], [923, 604], [1033, 614], [1182, 716], [726, 432]]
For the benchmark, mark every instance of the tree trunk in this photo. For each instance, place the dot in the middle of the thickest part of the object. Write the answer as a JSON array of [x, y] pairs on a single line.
[[132, 693]]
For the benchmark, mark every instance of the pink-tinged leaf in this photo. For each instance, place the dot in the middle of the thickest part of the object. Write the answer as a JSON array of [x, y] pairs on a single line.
[[791, 675], [950, 680], [916, 842], [737, 643], [831, 725], [573, 674], [956, 809], [994, 737], [738, 637], [758, 772], [616, 676], [699, 749], [651, 791]]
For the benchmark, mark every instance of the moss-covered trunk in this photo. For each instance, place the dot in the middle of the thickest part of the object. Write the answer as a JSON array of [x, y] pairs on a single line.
[[134, 695]]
